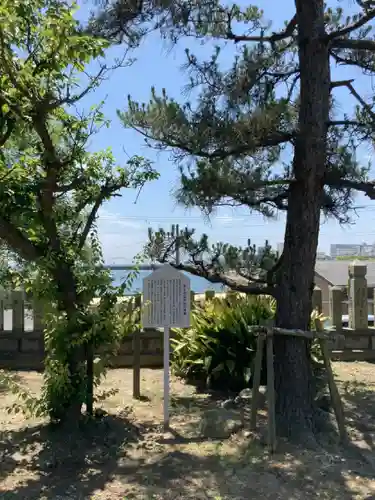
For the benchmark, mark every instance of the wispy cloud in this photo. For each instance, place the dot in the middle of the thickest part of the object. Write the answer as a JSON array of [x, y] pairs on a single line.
[[116, 219], [121, 237], [228, 220]]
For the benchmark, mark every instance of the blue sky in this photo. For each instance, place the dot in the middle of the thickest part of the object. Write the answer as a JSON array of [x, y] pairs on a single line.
[[124, 221]]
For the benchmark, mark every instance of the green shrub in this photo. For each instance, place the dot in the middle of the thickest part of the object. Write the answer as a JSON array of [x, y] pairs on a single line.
[[218, 349]]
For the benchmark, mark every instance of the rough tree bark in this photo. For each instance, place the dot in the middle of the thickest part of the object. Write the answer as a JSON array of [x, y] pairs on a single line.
[[68, 302], [294, 387]]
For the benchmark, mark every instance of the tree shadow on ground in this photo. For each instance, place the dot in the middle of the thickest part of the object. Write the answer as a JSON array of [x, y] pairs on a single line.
[[359, 402], [196, 404], [194, 467], [250, 473], [65, 463], [133, 462]]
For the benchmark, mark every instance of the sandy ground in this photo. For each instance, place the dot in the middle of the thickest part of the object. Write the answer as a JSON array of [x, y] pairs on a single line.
[[127, 455]]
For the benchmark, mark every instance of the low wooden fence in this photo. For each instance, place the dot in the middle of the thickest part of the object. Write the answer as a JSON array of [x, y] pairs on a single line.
[[22, 344]]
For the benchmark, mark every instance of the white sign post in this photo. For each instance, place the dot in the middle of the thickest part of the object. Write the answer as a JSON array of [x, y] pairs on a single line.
[[166, 301]]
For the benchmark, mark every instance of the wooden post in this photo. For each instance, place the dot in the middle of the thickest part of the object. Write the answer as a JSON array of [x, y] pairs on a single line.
[[18, 315], [38, 323], [90, 378], [192, 300], [209, 295], [137, 353], [334, 393], [271, 395], [1, 309], [256, 381], [18, 311]]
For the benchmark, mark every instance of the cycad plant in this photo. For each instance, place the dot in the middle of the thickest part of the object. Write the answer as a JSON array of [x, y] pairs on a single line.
[[218, 349]]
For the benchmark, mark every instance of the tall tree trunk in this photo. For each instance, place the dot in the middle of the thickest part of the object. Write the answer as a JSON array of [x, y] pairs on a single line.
[[68, 302], [293, 376]]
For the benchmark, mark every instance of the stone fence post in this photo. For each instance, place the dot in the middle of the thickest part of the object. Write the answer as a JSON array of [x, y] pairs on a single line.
[[317, 300], [335, 306], [357, 294]]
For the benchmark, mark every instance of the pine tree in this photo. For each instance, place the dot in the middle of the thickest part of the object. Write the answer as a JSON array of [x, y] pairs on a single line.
[[277, 101]]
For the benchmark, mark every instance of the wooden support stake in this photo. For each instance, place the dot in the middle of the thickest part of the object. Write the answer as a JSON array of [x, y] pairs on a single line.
[[90, 379], [271, 395], [256, 381], [334, 393], [1, 310], [137, 356]]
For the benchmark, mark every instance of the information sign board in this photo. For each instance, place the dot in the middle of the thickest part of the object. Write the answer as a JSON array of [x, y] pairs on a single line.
[[166, 299], [166, 304]]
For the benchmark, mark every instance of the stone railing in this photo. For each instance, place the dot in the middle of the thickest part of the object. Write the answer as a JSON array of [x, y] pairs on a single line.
[[22, 344], [359, 343]]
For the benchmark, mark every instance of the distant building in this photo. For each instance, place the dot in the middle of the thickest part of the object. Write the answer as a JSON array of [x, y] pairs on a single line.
[[319, 255], [352, 250], [322, 256]]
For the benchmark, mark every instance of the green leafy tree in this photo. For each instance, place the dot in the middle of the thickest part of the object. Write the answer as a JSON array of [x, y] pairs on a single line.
[[269, 134], [51, 187]]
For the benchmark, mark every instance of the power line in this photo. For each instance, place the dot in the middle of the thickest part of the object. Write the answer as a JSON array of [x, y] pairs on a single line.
[[350, 231], [186, 221], [175, 219]]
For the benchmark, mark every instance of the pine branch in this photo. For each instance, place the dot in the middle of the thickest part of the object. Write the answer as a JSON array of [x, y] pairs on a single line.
[[244, 270], [347, 123], [356, 95], [348, 43], [368, 188], [229, 145], [274, 139], [352, 27], [230, 282], [275, 37]]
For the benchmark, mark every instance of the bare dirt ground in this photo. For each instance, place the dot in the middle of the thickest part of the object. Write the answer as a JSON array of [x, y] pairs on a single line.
[[126, 455]]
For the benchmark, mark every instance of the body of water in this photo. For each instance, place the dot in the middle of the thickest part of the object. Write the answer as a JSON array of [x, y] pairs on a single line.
[[198, 285]]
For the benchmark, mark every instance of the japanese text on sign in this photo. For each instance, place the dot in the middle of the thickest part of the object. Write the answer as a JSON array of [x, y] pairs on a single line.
[[166, 299]]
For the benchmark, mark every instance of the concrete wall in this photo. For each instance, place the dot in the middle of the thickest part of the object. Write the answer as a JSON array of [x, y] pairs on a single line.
[[25, 350]]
